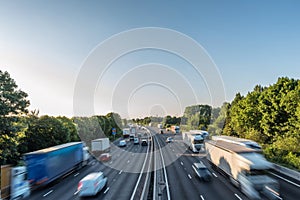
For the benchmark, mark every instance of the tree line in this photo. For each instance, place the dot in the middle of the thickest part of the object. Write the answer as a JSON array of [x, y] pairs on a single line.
[[268, 115]]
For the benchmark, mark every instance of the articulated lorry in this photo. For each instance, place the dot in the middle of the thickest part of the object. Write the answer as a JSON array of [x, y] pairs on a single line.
[[194, 141], [246, 168], [42, 167]]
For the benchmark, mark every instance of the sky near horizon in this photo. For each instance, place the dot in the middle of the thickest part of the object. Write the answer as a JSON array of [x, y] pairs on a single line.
[[46, 45]]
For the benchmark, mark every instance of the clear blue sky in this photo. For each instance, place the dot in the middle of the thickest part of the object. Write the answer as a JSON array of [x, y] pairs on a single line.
[[43, 45]]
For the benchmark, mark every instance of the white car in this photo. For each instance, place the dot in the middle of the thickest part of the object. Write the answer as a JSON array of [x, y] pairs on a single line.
[[122, 143], [91, 184]]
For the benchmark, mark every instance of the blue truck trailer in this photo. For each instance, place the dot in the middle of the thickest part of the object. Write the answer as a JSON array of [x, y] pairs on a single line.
[[46, 165]]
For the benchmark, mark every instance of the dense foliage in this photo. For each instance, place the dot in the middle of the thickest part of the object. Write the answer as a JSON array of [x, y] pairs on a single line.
[[196, 117], [270, 116]]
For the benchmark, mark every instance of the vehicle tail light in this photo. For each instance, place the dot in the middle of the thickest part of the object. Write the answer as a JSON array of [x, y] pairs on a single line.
[[79, 186]]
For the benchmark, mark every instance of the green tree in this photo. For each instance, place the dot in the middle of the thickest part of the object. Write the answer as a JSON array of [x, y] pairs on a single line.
[[13, 103]]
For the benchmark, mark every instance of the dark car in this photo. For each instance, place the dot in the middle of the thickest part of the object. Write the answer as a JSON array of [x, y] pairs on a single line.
[[105, 157], [202, 172], [144, 143]]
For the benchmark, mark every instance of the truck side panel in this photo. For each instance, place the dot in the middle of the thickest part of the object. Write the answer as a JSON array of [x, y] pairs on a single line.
[[223, 159], [46, 167]]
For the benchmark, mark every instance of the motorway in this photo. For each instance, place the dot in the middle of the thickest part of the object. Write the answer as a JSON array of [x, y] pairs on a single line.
[[130, 175]]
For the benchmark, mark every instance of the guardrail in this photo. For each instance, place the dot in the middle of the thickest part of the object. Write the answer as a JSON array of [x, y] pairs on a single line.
[[288, 172]]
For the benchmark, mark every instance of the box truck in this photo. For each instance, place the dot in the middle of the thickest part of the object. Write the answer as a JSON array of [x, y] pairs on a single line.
[[245, 167], [100, 145], [240, 141]]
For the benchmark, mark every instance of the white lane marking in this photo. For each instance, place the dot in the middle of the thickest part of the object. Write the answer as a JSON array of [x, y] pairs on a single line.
[[48, 193], [181, 163], [237, 196], [76, 174], [214, 175], [106, 190], [121, 172], [128, 161], [295, 184], [202, 197], [76, 192], [189, 176]]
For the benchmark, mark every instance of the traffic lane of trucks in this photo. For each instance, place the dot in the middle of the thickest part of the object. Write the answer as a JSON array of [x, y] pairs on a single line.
[[182, 170], [66, 188]]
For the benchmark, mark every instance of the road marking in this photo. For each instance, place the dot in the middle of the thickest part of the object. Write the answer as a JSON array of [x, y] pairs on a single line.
[[76, 192], [201, 197], [121, 172], [181, 163], [48, 193], [237, 196], [295, 184], [76, 174], [189, 176], [106, 190], [128, 161], [214, 175]]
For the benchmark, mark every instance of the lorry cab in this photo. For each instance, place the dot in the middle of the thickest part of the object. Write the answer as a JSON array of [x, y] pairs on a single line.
[[91, 184]]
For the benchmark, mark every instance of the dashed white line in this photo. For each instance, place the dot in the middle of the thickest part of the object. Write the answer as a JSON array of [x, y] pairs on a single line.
[[214, 175], [237, 196], [48, 193], [106, 190], [181, 163], [128, 161], [121, 172], [189, 176], [76, 174], [201, 197], [76, 192]]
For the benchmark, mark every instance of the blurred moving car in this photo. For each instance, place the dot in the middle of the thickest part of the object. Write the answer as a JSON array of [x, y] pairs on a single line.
[[169, 140], [136, 141], [202, 172], [105, 157], [122, 143], [91, 184], [144, 143]]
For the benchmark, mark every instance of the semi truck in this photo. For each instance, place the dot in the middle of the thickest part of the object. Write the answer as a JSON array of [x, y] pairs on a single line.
[[194, 141], [240, 141], [126, 132], [42, 167], [46, 165], [99, 146], [14, 184], [245, 167]]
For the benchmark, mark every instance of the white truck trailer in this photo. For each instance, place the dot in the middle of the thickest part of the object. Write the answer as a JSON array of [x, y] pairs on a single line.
[[245, 167], [240, 141], [100, 146], [194, 141]]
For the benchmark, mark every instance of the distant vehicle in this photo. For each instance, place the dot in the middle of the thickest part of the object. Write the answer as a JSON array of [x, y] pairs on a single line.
[[100, 145], [169, 140], [126, 132], [161, 132], [91, 184], [160, 126], [136, 140], [202, 172], [194, 141], [240, 141], [175, 129], [144, 142], [105, 157], [203, 133], [246, 168], [122, 143]]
